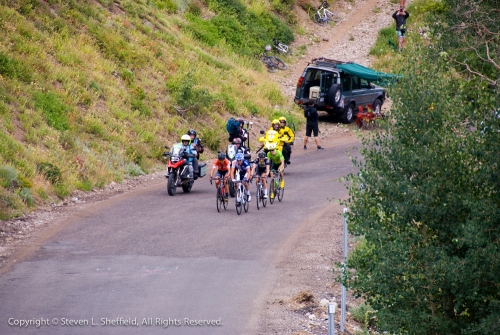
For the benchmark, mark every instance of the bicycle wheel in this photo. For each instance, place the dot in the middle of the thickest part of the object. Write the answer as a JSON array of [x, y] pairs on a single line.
[[269, 65], [246, 203], [271, 191], [238, 203], [281, 191], [332, 16], [321, 20], [264, 200], [258, 197], [223, 199], [219, 197], [278, 63]]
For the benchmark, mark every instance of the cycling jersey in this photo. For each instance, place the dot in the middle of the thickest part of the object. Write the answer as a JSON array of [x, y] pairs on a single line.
[[276, 158], [262, 164], [241, 167], [222, 166]]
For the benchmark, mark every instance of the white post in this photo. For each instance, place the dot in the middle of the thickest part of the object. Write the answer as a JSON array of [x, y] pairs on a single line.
[[343, 302], [331, 319]]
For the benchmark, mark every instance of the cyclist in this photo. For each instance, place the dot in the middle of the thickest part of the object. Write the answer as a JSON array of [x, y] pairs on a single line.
[[242, 168], [261, 168], [277, 163], [189, 149], [287, 146], [221, 165]]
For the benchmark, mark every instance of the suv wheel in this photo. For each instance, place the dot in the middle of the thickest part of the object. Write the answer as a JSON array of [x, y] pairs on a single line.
[[334, 95], [348, 114], [377, 106]]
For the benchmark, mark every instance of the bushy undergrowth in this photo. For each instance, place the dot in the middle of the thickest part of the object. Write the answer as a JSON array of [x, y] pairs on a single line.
[[91, 91]]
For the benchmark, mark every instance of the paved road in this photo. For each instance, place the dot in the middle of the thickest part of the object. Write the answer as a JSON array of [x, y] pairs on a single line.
[[164, 262]]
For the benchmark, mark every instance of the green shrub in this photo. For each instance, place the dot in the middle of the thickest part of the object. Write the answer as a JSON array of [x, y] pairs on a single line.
[[26, 197], [53, 109], [12, 68], [382, 45], [50, 172], [85, 185], [194, 8], [132, 170], [8, 176]]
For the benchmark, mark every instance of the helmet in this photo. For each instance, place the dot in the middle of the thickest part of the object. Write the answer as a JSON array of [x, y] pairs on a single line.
[[239, 156], [192, 132], [282, 118], [185, 137], [275, 121], [262, 154], [237, 140], [221, 156], [271, 146], [268, 48]]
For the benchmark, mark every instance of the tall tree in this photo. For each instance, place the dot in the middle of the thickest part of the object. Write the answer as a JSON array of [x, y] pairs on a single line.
[[427, 206]]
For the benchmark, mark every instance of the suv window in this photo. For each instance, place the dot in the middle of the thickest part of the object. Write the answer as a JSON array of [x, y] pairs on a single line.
[[365, 83], [346, 83], [356, 85]]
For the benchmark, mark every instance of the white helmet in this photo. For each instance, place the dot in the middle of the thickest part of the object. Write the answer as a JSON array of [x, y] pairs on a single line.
[[268, 48]]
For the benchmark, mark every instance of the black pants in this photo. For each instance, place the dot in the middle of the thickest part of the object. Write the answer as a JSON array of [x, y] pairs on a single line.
[[287, 151]]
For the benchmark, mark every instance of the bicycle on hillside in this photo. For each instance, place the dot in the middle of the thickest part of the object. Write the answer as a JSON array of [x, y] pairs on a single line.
[[272, 63], [221, 198], [281, 48], [323, 16], [241, 197], [274, 187], [260, 192]]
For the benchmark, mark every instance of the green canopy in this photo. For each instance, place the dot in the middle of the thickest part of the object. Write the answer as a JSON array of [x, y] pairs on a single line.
[[367, 73]]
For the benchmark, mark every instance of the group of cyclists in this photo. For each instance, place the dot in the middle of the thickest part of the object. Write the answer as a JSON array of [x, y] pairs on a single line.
[[268, 160]]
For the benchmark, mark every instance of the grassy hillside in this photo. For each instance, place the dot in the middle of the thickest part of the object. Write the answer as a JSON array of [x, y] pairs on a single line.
[[91, 91]]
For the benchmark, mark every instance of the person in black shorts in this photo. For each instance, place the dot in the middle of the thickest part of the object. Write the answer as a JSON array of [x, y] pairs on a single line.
[[261, 168], [312, 117]]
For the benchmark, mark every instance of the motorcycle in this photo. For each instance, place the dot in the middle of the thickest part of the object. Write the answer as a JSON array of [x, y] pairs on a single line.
[[272, 137], [178, 169]]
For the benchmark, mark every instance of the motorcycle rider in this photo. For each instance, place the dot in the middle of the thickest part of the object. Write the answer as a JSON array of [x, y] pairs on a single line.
[[242, 167], [287, 146], [196, 143], [242, 133], [222, 166], [189, 152], [261, 168], [275, 125]]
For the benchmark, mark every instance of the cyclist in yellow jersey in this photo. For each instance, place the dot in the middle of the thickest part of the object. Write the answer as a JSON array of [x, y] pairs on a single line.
[[287, 146], [277, 163]]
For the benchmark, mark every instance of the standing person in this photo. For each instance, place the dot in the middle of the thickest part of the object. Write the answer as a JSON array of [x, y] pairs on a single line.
[[312, 124], [400, 16]]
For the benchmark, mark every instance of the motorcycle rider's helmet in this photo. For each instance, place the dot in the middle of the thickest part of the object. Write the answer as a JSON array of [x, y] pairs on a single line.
[[271, 146], [282, 119], [192, 132], [239, 156], [185, 137], [237, 140], [268, 48], [262, 154], [221, 156], [275, 121]]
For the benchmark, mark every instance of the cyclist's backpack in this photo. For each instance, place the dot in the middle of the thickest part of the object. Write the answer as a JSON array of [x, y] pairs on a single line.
[[233, 127]]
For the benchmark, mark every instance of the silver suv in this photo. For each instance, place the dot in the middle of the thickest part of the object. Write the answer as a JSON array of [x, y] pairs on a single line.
[[339, 88]]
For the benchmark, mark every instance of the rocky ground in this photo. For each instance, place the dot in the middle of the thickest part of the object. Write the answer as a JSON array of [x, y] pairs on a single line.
[[298, 301]]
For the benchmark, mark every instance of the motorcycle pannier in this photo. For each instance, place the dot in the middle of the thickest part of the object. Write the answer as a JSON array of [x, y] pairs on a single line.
[[203, 169]]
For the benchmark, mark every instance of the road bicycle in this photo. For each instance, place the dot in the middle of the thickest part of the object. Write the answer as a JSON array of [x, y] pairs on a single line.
[[241, 197], [272, 63], [323, 16], [281, 48], [221, 194], [275, 191], [260, 192]]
